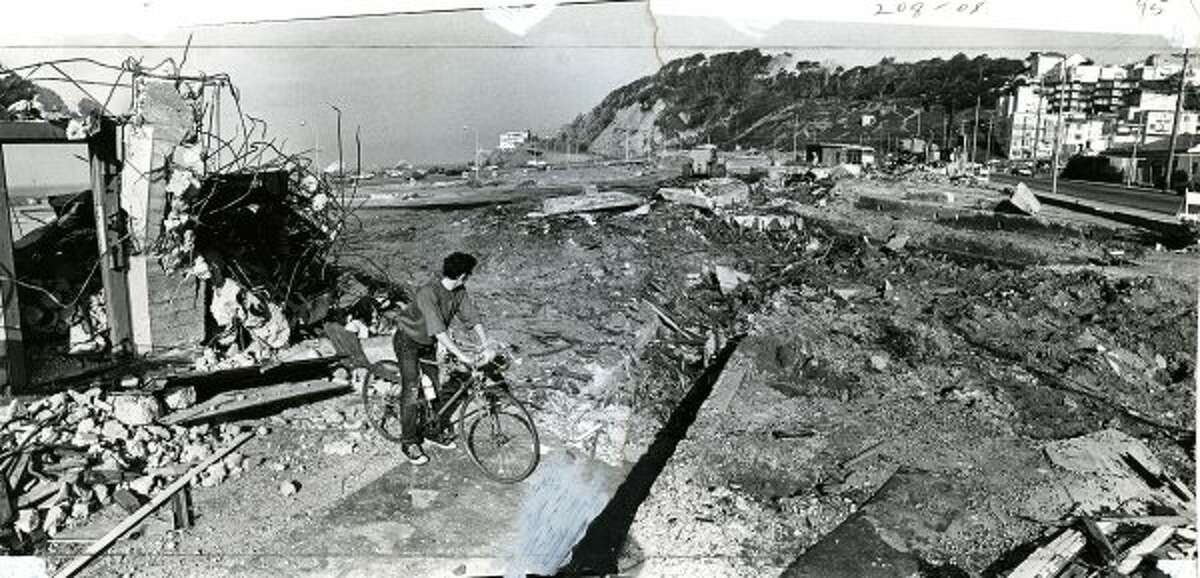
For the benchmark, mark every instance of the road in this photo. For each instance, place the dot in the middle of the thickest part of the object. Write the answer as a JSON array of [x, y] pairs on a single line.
[[1145, 199]]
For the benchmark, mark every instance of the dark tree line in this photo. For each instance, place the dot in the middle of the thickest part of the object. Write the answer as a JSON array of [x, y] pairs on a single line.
[[726, 93]]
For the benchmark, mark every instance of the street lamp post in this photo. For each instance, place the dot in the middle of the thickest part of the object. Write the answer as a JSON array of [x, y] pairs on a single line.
[[341, 163]]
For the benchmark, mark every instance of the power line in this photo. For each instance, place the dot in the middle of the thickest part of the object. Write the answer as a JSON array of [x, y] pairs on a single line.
[[428, 11]]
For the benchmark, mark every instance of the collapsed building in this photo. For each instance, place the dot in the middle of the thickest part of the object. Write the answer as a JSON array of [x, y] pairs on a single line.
[[189, 248]]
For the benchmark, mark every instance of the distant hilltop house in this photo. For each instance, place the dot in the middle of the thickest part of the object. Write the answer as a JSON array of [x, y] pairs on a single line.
[[513, 139], [833, 154]]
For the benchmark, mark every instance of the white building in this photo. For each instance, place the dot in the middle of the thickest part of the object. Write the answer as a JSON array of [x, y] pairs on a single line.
[[513, 139]]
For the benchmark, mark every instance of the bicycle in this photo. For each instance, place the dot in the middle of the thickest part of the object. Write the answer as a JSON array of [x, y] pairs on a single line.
[[496, 430]]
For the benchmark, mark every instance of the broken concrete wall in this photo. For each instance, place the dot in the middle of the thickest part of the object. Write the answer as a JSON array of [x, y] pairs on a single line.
[[166, 310]]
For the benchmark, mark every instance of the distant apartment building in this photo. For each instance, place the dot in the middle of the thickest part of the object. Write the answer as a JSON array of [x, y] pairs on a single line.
[[513, 139], [1086, 88], [1099, 106], [1158, 67]]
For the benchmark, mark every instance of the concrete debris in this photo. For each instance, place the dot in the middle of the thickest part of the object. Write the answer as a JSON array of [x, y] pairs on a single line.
[[143, 486], [213, 475], [180, 397], [897, 242], [340, 448], [728, 279], [28, 521], [1021, 202], [845, 171], [113, 430], [289, 488], [136, 409], [709, 194], [332, 416], [846, 294], [93, 448], [768, 222], [641, 211], [55, 516], [590, 202], [879, 363]]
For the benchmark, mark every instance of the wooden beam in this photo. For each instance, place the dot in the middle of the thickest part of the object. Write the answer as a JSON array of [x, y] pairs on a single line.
[[135, 198], [227, 403], [14, 375], [135, 518], [102, 152], [1049, 560], [1133, 556], [32, 132]]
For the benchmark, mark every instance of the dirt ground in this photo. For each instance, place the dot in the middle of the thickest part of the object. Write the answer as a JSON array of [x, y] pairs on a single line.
[[954, 354]]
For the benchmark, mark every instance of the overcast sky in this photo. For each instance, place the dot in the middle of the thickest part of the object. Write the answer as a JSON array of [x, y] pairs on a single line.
[[413, 82]]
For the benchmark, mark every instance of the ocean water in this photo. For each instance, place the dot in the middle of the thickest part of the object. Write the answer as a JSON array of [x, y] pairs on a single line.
[[33, 194]]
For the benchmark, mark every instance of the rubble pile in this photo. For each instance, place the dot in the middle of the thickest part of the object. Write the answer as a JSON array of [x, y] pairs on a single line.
[[59, 294], [72, 453]]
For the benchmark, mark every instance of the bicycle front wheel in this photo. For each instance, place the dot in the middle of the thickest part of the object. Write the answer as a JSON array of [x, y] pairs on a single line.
[[499, 436]]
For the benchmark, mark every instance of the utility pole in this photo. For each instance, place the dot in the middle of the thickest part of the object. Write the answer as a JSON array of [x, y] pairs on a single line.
[[987, 155], [975, 128], [946, 127], [795, 121], [341, 163], [1062, 80], [1175, 122], [358, 149], [1037, 125], [962, 133]]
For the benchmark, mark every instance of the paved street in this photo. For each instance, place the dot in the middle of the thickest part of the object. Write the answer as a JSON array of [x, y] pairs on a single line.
[[1116, 194]]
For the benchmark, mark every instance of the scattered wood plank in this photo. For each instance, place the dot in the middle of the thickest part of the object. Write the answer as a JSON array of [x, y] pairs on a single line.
[[590, 202], [134, 519], [668, 320], [1150, 520], [1133, 556], [37, 495], [1049, 560], [228, 402]]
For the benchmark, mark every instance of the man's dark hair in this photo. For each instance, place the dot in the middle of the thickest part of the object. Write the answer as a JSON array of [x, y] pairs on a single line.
[[456, 264]]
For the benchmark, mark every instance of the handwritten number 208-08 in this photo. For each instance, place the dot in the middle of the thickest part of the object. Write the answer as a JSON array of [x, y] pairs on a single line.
[[916, 8]]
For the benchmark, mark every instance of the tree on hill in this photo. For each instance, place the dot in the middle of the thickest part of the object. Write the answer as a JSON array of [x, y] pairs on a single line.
[[14, 89], [725, 98]]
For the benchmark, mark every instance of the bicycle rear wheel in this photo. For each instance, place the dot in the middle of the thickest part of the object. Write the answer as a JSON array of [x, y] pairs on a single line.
[[499, 436], [381, 404]]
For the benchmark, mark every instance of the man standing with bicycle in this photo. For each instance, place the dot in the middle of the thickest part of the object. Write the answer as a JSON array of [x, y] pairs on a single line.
[[422, 326]]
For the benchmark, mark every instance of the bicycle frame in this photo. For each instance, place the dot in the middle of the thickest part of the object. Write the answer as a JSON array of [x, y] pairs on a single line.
[[475, 382]]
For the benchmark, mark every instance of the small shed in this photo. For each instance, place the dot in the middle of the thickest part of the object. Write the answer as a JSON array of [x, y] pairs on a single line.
[[833, 154]]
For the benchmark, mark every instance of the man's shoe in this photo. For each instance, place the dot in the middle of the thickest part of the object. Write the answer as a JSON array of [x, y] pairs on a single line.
[[444, 441], [416, 456]]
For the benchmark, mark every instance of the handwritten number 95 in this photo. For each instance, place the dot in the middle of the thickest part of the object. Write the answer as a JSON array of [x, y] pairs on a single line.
[[915, 9], [1146, 8]]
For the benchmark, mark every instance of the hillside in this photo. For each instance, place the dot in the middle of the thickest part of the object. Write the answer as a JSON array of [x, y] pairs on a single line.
[[752, 99]]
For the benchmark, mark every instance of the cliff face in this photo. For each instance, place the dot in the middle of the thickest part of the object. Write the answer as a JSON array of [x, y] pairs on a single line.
[[752, 99]]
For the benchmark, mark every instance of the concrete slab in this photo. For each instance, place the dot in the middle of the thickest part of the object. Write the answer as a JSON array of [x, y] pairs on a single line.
[[444, 519]]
